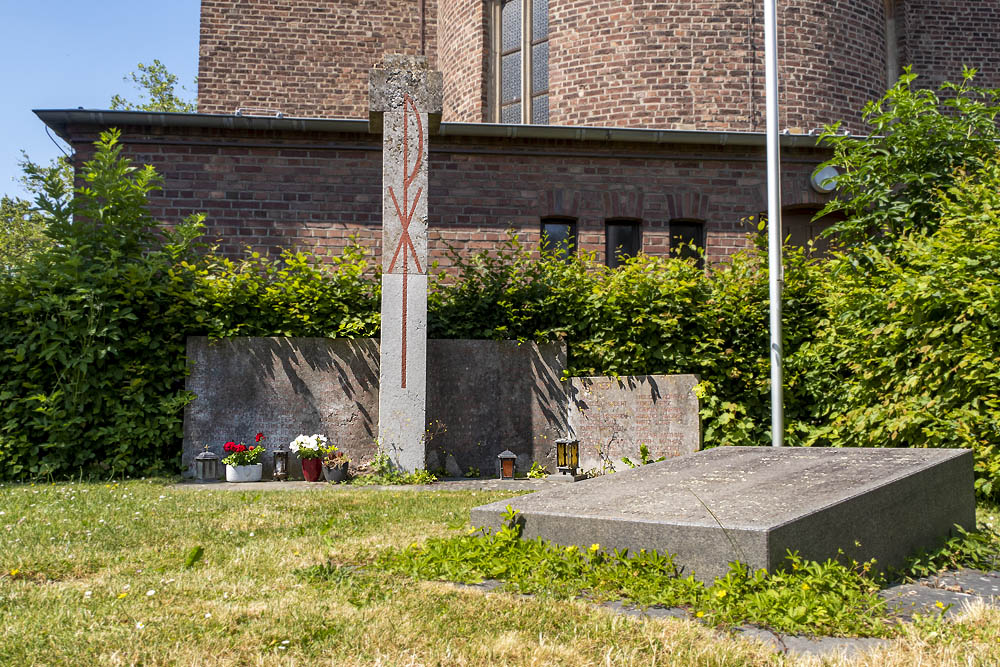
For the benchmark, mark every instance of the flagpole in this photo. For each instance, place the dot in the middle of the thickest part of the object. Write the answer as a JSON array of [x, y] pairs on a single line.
[[775, 270]]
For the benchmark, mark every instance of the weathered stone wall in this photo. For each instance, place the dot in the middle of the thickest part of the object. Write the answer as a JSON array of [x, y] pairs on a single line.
[[281, 387], [482, 397], [613, 417], [307, 58], [487, 396]]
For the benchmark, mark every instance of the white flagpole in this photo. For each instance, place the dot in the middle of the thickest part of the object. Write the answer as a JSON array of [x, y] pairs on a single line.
[[775, 270]]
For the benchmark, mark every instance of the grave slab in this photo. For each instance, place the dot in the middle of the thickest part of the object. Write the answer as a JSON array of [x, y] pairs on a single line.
[[752, 504]]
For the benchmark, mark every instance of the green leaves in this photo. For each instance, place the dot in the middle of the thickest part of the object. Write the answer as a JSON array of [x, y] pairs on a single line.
[[156, 87], [805, 597], [890, 181]]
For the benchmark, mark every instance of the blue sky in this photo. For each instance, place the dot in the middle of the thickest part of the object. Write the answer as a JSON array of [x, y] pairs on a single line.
[[57, 54]]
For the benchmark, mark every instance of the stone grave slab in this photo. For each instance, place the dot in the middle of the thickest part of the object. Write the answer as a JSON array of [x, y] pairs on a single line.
[[753, 503], [612, 417]]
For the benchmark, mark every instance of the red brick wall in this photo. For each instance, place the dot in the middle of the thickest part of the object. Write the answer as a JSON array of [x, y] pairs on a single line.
[[651, 64], [700, 65], [833, 61], [269, 190], [943, 35], [463, 54], [305, 58]]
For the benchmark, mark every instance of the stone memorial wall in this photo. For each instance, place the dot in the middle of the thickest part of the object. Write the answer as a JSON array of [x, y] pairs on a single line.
[[612, 417], [482, 397]]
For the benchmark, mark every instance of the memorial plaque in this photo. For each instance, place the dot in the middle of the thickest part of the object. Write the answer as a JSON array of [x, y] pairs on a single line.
[[612, 417]]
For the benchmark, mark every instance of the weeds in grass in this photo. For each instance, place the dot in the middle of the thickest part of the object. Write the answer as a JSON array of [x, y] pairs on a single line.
[[979, 550], [806, 597]]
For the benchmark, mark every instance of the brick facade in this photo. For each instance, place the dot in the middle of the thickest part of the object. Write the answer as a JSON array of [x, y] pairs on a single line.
[[464, 57], [938, 37], [311, 190], [642, 63], [305, 58], [637, 64]]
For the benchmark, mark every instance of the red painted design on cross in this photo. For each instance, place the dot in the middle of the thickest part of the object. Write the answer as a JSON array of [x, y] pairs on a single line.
[[405, 213]]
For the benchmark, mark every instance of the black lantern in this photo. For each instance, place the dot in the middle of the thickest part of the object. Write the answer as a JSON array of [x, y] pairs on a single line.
[[280, 464], [507, 460], [206, 466], [568, 455]]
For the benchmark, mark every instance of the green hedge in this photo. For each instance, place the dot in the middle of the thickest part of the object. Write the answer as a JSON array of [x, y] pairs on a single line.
[[901, 352]]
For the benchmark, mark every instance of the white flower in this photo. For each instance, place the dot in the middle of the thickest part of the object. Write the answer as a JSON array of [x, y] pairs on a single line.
[[87, 594], [139, 625], [150, 593], [208, 615], [314, 442]]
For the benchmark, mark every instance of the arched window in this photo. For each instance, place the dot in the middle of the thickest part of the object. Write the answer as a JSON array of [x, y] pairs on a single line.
[[521, 61]]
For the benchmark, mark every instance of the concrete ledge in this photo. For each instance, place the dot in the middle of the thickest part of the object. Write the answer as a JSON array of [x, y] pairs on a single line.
[[753, 503]]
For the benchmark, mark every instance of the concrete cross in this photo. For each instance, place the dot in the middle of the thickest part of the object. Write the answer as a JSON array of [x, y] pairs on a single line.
[[405, 105]]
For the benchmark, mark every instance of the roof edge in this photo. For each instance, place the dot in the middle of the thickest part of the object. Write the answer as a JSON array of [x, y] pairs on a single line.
[[59, 119]]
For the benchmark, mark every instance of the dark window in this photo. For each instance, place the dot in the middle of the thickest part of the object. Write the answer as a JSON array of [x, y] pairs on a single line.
[[622, 239], [687, 239], [799, 228], [559, 235]]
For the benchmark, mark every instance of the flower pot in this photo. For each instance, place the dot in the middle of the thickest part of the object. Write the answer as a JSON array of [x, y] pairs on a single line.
[[312, 469], [244, 473], [335, 474]]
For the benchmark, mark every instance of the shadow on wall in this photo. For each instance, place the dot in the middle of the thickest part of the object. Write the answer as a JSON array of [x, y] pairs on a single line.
[[483, 397], [281, 387]]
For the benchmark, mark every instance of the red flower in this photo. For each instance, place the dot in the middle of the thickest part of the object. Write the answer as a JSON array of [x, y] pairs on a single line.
[[241, 447], [229, 446], [251, 448], [260, 436]]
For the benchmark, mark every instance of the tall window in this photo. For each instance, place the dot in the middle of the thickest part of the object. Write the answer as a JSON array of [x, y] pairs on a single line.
[[687, 239], [521, 61], [622, 239], [559, 236]]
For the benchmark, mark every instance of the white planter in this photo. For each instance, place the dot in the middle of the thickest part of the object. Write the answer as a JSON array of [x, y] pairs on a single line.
[[244, 473]]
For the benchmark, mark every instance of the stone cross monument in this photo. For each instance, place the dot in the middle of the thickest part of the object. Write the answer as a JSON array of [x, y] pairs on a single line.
[[405, 105]]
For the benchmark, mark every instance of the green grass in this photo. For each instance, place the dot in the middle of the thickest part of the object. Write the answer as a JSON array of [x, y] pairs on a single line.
[[276, 584]]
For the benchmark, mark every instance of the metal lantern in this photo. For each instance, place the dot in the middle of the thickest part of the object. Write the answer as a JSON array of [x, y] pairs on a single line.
[[206, 466], [507, 460], [568, 455], [280, 464]]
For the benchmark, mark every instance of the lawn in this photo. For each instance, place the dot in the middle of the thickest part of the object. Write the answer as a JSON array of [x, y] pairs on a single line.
[[94, 573]]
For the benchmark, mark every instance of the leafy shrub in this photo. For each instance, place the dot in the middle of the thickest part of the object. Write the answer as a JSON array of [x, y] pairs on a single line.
[[906, 354], [889, 180], [93, 330]]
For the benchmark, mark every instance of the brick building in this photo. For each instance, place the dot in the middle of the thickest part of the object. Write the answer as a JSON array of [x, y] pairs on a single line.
[[620, 124]]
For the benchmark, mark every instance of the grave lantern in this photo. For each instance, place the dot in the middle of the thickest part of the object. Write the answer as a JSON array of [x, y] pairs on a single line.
[[507, 459], [568, 455], [206, 466], [280, 464]]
